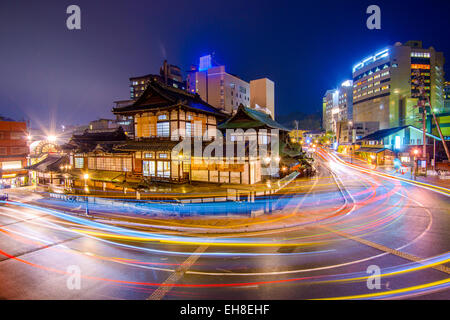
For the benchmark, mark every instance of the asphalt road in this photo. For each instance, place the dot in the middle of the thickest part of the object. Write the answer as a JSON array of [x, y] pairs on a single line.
[[372, 222]]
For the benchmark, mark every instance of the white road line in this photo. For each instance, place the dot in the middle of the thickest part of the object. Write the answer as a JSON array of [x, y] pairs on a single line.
[[159, 293]]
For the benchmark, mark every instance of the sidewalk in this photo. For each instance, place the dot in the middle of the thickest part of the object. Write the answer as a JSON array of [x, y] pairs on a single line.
[[288, 212], [195, 191], [389, 169]]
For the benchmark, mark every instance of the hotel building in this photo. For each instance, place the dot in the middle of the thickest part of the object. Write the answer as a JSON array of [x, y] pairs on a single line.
[[13, 153], [168, 74], [262, 96], [443, 117], [226, 91], [217, 87], [382, 88], [338, 106]]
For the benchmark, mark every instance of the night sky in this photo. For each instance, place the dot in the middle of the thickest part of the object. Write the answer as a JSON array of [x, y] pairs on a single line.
[[50, 74]]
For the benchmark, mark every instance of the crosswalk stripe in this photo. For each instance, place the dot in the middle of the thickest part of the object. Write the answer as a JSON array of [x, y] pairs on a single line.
[[162, 290]]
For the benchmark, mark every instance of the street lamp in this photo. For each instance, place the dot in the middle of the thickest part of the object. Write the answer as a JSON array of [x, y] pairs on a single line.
[[415, 152], [350, 123], [86, 189], [374, 158]]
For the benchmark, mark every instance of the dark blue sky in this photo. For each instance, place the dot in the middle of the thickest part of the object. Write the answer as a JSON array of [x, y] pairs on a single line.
[[51, 74]]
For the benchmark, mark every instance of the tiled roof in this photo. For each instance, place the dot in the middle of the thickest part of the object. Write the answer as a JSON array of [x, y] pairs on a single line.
[[256, 119], [50, 163], [90, 140], [147, 145], [381, 134], [172, 96]]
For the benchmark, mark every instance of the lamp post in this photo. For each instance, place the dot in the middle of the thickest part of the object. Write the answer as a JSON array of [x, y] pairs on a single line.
[[374, 158], [415, 152], [180, 166], [86, 177], [350, 123]]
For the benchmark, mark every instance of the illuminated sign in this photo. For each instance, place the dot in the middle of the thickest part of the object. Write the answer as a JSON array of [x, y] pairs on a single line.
[[397, 142], [347, 83], [369, 60], [10, 165], [420, 66], [8, 176], [205, 63]]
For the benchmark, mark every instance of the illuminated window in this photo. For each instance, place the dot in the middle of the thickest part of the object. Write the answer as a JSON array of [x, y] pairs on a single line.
[[17, 135], [79, 163], [162, 117], [163, 169], [110, 164], [148, 168], [188, 129], [162, 129], [420, 66], [19, 150], [10, 165]]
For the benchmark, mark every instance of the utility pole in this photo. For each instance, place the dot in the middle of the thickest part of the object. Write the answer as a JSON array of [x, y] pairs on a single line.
[[351, 147], [424, 129], [434, 154]]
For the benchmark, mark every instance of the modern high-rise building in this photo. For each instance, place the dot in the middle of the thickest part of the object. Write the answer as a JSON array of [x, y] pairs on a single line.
[[338, 106], [443, 117], [262, 96], [382, 86], [217, 87], [168, 74], [447, 96]]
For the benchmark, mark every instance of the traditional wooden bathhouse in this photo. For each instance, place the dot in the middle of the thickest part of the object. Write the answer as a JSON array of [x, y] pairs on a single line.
[[163, 117], [269, 135], [95, 163], [166, 118], [50, 171]]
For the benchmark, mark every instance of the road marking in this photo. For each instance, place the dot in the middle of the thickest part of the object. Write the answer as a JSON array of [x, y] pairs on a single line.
[[380, 247], [431, 187], [167, 285], [390, 292], [383, 248]]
